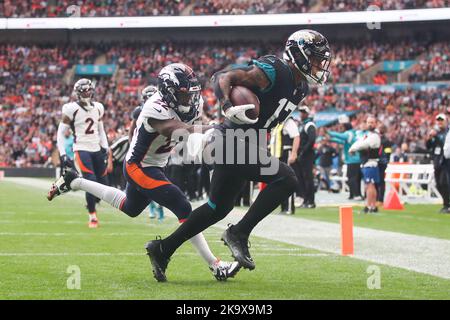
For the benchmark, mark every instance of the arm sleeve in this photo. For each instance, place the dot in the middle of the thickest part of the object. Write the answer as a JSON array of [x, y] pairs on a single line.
[[102, 133], [291, 128], [359, 145], [338, 135], [372, 141], [337, 140], [101, 110], [346, 137], [62, 127]]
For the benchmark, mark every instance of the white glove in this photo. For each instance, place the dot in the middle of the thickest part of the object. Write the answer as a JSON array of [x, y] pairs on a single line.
[[194, 144], [237, 114]]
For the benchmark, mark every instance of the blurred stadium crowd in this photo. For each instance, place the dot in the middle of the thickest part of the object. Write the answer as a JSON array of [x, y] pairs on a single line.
[[109, 8], [33, 87]]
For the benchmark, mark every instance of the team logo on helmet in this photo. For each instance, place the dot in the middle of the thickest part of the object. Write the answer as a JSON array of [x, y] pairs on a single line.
[[84, 90]]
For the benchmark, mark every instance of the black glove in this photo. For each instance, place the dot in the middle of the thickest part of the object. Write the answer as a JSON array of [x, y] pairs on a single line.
[[66, 162]]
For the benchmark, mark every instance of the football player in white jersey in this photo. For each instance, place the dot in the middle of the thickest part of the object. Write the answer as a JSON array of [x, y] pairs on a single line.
[[154, 208], [90, 147], [176, 105]]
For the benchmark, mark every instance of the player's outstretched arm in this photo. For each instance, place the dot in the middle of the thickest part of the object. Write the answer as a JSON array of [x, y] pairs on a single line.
[[131, 132], [62, 127], [250, 77], [167, 127]]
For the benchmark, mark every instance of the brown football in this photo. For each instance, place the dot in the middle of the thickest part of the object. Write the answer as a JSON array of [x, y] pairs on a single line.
[[241, 95]]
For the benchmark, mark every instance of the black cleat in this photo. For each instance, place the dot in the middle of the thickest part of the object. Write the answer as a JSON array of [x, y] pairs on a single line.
[[158, 260], [373, 210], [62, 185], [238, 245], [445, 210]]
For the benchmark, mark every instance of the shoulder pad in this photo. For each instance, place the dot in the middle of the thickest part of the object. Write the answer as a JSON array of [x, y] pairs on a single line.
[[69, 109], [309, 124], [156, 109]]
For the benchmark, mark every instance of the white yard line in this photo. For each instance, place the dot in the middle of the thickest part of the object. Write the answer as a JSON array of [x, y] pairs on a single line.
[[100, 254], [416, 253], [68, 234]]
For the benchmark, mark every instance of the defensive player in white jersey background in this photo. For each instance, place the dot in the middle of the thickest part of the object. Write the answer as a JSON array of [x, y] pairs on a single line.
[[90, 147], [176, 105], [154, 208]]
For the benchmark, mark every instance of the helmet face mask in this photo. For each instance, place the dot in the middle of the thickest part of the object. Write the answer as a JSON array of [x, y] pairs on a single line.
[[187, 99], [84, 90], [180, 89], [309, 51]]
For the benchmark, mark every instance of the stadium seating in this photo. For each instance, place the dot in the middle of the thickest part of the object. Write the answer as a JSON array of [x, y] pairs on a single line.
[[35, 82], [37, 8]]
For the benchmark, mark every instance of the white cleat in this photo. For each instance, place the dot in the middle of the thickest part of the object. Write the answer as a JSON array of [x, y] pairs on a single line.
[[222, 270], [93, 224], [62, 185]]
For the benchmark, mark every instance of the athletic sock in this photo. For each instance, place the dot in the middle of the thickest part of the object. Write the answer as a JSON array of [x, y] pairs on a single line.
[[199, 242], [200, 219], [113, 196], [92, 216], [267, 201]]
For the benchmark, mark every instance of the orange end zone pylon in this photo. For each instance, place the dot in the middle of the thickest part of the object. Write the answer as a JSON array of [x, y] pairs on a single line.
[[346, 220], [392, 201]]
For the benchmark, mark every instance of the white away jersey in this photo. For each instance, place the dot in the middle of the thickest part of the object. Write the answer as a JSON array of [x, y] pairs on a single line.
[[84, 123], [149, 148]]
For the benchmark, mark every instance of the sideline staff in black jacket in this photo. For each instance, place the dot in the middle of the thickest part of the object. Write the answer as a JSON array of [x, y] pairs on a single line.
[[435, 145], [305, 159]]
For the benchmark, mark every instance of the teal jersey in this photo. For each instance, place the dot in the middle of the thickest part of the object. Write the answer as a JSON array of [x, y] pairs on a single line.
[[346, 138], [278, 100], [68, 145]]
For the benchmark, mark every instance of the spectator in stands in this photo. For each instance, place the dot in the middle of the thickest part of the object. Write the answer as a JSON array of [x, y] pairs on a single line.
[[62, 8], [31, 90], [401, 154], [306, 157]]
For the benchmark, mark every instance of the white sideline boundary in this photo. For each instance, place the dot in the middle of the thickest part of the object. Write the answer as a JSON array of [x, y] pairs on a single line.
[[415, 253], [108, 254]]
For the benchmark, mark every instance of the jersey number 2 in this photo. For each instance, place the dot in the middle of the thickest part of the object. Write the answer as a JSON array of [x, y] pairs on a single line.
[[166, 147], [89, 129]]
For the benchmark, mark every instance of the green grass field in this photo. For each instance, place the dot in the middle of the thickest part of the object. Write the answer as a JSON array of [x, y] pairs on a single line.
[[39, 240], [422, 220]]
